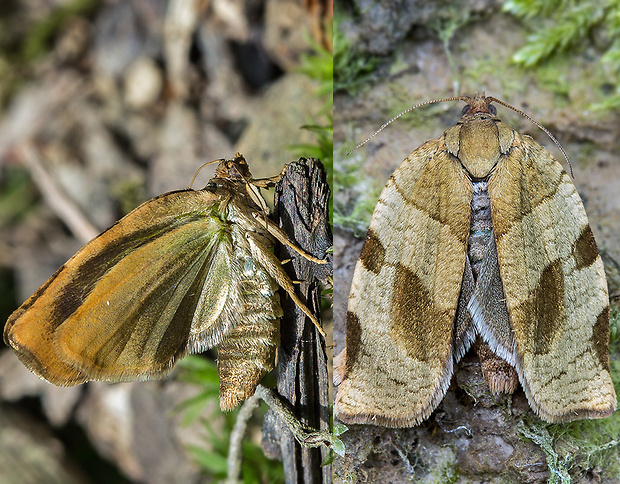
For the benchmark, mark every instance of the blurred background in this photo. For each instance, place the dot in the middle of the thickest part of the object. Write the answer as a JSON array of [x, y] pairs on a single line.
[[104, 104], [559, 62]]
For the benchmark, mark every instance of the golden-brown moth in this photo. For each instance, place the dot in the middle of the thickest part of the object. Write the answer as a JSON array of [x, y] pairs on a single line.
[[479, 234], [186, 271]]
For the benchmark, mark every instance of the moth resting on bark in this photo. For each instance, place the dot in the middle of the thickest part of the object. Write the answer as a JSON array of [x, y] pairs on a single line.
[[185, 271], [478, 236]]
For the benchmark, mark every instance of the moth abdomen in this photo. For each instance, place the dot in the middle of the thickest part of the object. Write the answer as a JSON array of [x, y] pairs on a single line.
[[475, 323], [481, 229], [247, 353], [245, 357]]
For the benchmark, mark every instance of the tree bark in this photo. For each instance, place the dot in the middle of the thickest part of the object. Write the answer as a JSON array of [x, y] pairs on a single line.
[[302, 211]]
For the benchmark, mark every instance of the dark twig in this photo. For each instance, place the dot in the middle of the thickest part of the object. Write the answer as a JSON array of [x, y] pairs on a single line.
[[236, 438], [302, 202]]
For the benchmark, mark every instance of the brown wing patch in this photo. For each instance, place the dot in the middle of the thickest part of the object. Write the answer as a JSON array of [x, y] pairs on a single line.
[[412, 311], [600, 338], [585, 250], [354, 332], [547, 307], [373, 253]]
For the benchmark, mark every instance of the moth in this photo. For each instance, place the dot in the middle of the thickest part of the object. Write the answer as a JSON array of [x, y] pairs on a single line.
[[185, 271], [478, 238]]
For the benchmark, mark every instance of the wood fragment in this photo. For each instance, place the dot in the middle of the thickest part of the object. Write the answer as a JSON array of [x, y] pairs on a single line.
[[302, 206]]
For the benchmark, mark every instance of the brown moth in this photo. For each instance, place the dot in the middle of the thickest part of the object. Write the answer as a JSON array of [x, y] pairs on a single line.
[[478, 235], [186, 271]]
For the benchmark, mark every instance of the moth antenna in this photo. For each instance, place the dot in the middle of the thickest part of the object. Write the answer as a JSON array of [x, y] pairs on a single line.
[[533, 121], [201, 167], [385, 125], [463, 98]]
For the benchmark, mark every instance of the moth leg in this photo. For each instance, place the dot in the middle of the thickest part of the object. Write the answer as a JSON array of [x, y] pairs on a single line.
[[256, 196], [272, 265], [279, 234], [253, 187], [269, 182]]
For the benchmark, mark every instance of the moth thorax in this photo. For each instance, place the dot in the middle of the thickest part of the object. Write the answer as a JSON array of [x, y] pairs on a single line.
[[479, 147], [481, 227]]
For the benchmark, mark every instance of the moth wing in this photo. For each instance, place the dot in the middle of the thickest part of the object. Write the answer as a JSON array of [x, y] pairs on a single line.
[[128, 304], [405, 291], [554, 284]]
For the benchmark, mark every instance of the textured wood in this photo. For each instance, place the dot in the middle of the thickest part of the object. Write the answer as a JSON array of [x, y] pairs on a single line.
[[302, 203]]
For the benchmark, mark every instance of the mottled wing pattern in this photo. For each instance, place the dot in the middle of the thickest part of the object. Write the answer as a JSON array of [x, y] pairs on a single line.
[[405, 292], [555, 287]]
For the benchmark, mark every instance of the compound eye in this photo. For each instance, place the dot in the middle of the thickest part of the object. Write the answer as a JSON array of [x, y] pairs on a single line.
[[466, 109], [492, 109]]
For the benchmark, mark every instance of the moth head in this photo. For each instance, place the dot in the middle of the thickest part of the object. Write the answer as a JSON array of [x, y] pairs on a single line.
[[228, 172], [478, 104], [235, 170]]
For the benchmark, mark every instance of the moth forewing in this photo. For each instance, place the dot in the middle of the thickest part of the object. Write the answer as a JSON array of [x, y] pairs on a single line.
[[560, 313], [401, 313], [420, 295], [185, 271], [99, 296]]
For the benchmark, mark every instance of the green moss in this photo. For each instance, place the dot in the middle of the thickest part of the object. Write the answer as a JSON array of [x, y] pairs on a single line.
[[568, 27], [562, 29], [449, 475], [538, 432], [357, 197], [595, 443], [443, 470], [574, 448]]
